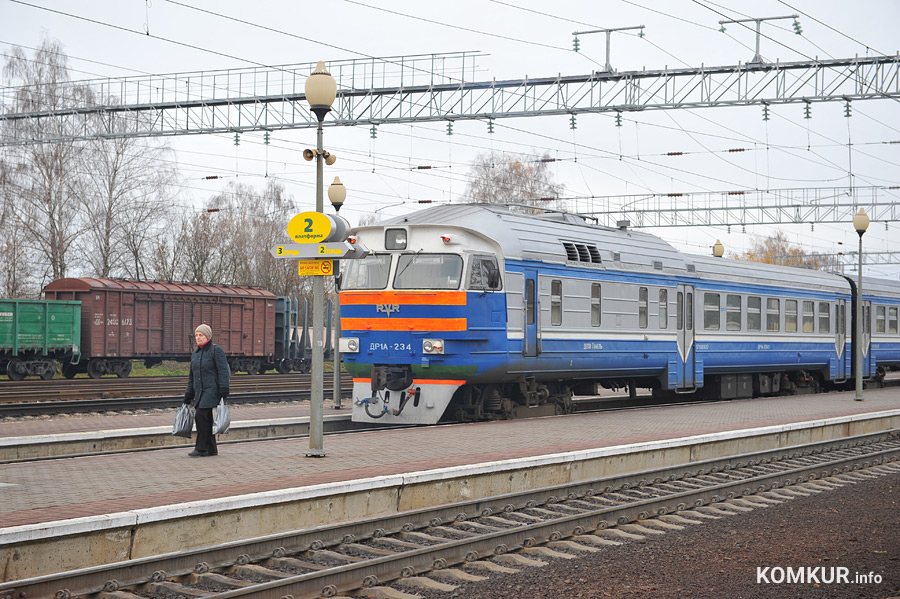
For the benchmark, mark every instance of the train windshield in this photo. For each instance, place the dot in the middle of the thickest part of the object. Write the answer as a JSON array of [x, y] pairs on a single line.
[[370, 272], [428, 271]]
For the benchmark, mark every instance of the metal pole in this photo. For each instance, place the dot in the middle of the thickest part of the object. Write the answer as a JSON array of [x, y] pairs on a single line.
[[859, 327], [336, 382], [317, 400]]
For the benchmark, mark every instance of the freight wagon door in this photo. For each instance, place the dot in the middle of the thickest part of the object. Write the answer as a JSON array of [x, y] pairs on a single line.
[[532, 319], [685, 319]]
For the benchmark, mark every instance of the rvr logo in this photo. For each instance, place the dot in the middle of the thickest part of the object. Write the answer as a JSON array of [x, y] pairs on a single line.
[[388, 308]]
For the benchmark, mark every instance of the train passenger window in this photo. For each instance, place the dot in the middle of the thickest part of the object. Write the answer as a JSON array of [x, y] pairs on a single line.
[[642, 307], [595, 305], [370, 272], [663, 309], [679, 311], [867, 319], [773, 314], [483, 273], [754, 313], [711, 311], [556, 302], [733, 312], [842, 319], [790, 316], [809, 317], [395, 239], [529, 301], [428, 271], [824, 317], [892, 321], [879, 319], [689, 312]]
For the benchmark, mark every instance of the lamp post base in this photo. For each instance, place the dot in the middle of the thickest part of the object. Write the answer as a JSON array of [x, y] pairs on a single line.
[[315, 453]]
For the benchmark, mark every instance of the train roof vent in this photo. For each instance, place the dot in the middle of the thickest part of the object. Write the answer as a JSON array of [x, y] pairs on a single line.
[[617, 256], [581, 252], [691, 268], [571, 252], [657, 265]]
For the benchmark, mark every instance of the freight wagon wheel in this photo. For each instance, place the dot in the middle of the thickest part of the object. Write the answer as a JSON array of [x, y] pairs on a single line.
[[15, 370], [49, 371], [95, 369], [254, 367], [125, 370], [284, 366]]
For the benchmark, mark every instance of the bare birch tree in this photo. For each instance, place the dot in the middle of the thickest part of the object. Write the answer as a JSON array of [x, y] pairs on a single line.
[[504, 178]]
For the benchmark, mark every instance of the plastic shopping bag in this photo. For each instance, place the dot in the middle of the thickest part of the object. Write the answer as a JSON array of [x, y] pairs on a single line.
[[222, 422], [184, 421]]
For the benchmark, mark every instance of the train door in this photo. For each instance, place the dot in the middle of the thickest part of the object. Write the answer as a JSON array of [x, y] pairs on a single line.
[[868, 362], [685, 321], [840, 340], [532, 315]]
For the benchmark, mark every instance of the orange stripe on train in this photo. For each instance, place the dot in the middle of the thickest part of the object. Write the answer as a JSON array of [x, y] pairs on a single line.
[[421, 382], [420, 298], [403, 324]]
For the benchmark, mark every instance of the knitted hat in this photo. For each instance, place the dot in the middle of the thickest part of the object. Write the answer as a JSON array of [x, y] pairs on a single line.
[[205, 329]]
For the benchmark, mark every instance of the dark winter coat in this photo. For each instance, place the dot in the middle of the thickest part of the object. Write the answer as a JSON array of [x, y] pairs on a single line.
[[209, 378]]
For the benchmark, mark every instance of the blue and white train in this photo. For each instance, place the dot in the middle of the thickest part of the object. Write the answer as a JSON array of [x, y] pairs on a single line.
[[471, 312]]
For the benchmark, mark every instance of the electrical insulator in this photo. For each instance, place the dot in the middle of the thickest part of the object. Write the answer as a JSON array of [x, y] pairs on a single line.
[[373, 132], [722, 29], [490, 126], [237, 139], [618, 119], [765, 112], [266, 138], [576, 45], [572, 124], [641, 32], [847, 109], [807, 111], [797, 29], [450, 128]]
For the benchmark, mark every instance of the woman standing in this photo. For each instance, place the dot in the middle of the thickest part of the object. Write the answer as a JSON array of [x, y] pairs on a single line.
[[208, 381]]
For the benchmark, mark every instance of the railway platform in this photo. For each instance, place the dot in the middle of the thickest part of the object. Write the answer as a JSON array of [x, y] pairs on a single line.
[[69, 513]]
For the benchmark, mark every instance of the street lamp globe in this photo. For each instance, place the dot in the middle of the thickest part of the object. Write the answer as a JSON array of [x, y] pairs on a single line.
[[861, 222], [718, 249], [321, 90], [337, 193]]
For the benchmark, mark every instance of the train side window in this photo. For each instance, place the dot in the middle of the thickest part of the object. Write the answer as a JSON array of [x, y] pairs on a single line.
[[595, 305], [842, 319], [483, 273], [556, 302], [529, 301], [824, 317], [809, 317], [663, 308], [879, 319], [679, 310], [892, 321], [733, 312], [754, 313], [711, 311], [773, 314], [642, 307], [867, 318], [689, 312], [790, 316]]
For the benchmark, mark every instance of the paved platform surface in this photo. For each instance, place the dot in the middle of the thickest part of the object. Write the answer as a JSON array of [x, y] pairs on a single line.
[[32, 493]]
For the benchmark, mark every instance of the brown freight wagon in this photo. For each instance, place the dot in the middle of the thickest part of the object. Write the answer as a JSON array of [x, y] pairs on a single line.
[[123, 320]]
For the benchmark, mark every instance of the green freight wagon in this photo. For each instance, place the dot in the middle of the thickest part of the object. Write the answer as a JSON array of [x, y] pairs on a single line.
[[35, 333]]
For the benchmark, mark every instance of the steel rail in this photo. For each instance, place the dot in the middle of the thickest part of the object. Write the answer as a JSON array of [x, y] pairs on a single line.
[[761, 471]]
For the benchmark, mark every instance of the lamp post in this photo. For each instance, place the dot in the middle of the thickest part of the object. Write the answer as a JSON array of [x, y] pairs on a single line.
[[321, 90], [860, 223], [337, 193]]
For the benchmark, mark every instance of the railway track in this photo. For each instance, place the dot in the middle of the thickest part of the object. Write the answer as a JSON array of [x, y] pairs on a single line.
[[345, 558]]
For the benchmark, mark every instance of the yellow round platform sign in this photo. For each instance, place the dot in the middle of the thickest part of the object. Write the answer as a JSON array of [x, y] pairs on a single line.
[[309, 227]]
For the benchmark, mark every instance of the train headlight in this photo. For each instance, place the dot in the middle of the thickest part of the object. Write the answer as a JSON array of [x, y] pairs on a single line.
[[433, 346], [348, 345]]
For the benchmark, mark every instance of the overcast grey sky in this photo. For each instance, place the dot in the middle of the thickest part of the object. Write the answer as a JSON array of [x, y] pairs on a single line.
[[113, 38]]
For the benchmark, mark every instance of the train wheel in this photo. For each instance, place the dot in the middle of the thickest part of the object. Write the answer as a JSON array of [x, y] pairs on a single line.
[[124, 370], [254, 367], [49, 371], [15, 370], [69, 371], [284, 366], [96, 369]]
